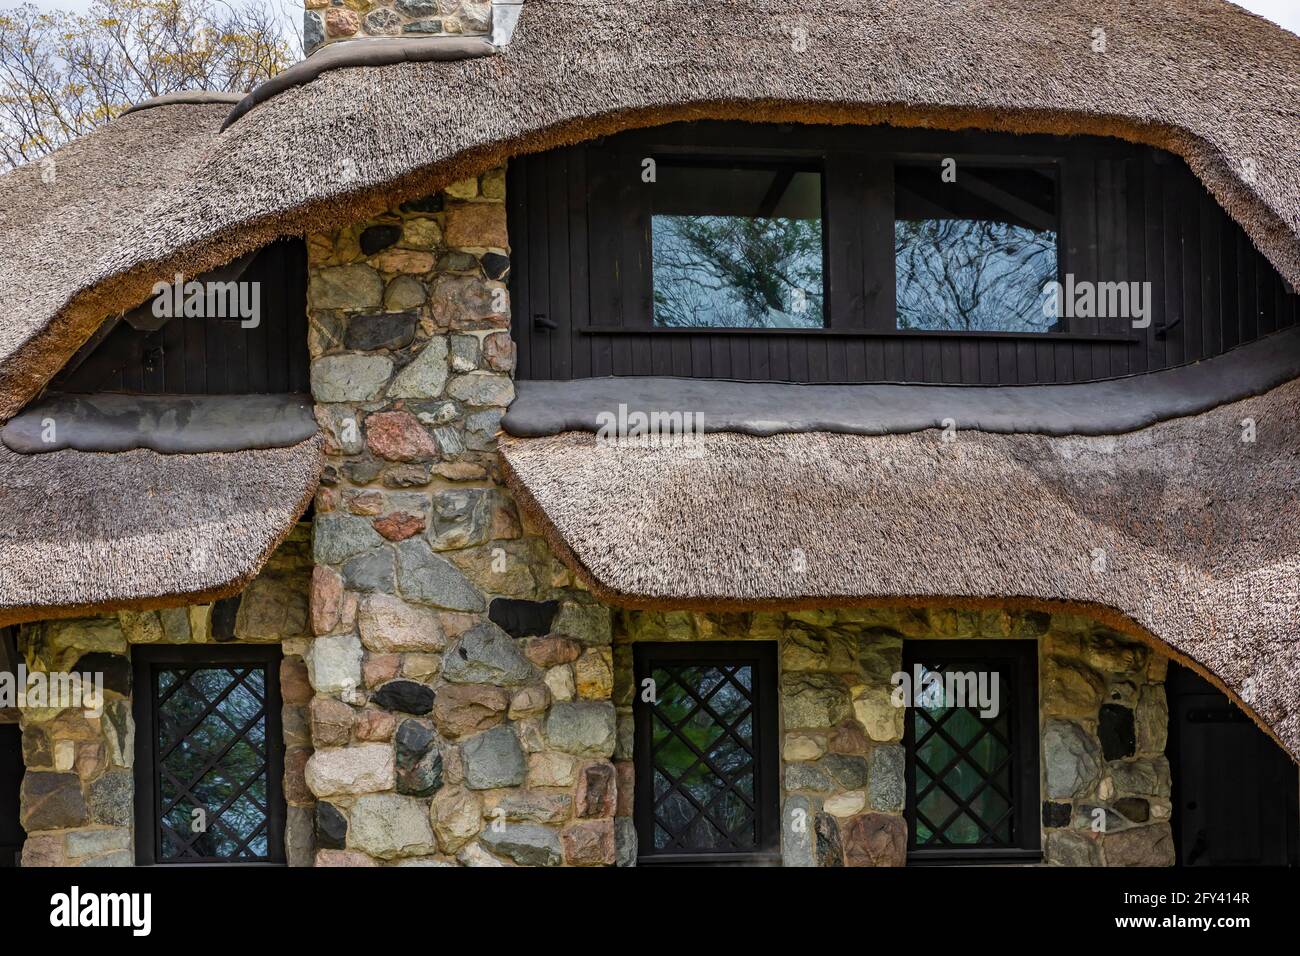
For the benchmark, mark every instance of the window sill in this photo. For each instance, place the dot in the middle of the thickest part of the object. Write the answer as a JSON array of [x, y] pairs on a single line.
[[1121, 338]]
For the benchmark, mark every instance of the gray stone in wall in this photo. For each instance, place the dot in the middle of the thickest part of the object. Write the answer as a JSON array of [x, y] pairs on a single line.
[[493, 759], [588, 623], [807, 776], [299, 836], [525, 843], [350, 378], [426, 376], [1140, 846], [486, 655], [1152, 719], [482, 388], [51, 801], [336, 537], [94, 842], [175, 624], [386, 826], [386, 330], [427, 578], [847, 772], [797, 832], [347, 287], [1145, 777], [814, 700], [331, 826], [313, 31], [382, 22], [1067, 848], [886, 790], [1072, 759], [110, 798], [625, 845], [372, 572], [461, 518], [585, 728]]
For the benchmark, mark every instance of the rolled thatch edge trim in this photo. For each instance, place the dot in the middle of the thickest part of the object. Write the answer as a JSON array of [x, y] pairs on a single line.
[[1104, 407], [368, 51], [1103, 614], [185, 98], [30, 366], [19, 614]]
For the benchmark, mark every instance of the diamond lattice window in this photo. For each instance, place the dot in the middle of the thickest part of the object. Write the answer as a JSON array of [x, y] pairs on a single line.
[[705, 763], [972, 750], [215, 761]]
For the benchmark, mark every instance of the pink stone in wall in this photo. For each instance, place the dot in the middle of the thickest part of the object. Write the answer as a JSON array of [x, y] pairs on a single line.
[[341, 22], [400, 525], [295, 686], [377, 669], [499, 352], [479, 225], [326, 600], [875, 839], [399, 436], [590, 843]]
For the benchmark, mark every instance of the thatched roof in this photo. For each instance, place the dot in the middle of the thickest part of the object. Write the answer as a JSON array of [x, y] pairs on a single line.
[[161, 190], [1196, 527], [84, 531]]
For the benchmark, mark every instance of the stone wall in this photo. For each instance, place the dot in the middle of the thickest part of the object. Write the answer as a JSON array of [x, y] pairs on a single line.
[[1103, 721], [326, 21], [77, 797], [441, 737]]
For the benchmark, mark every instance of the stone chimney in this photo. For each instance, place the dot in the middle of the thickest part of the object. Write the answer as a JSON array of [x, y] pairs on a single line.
[[329, 21]]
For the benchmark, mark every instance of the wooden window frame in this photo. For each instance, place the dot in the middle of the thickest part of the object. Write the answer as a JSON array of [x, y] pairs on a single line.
[[145, 660], [761, 657], [1021, 657]]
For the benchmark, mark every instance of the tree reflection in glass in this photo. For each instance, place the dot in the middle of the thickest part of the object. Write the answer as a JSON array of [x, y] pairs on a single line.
[[737, 247], [212, 758], [976, 253]]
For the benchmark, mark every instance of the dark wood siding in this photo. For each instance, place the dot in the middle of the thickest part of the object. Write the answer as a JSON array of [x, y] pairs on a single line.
[[204, 356], [579, 224]]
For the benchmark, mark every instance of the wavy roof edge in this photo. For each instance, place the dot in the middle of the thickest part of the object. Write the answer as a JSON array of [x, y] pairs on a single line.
[[183, 197]]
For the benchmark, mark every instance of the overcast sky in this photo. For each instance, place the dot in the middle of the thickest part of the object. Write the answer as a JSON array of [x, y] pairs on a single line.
[[1285, 12]]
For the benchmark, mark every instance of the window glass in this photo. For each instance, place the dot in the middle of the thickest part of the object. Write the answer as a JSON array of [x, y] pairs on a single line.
[[212, 764], [974, 254], [737, 247], [702, 736]]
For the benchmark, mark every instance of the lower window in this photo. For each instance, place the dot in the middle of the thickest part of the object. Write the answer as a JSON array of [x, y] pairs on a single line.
[[705, 752], [971, 736], [209, 755]]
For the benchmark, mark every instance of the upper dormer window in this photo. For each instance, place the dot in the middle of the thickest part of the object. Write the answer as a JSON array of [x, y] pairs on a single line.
[[844, 254], [975, 247], [737, 245]]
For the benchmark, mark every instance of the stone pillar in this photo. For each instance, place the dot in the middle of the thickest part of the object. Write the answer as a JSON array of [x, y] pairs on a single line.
[[441, 736], [327, 22]]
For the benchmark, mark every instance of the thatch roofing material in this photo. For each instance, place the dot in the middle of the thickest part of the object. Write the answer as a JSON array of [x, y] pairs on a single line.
[[160, 191], [138, 529], [1197, 529]]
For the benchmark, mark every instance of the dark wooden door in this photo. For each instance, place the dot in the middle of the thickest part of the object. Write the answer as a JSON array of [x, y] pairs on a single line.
[[1235, 791], [11, 778]]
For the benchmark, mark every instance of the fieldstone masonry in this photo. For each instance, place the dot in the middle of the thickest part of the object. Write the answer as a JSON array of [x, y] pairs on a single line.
[[442, 738], [326, 21], [1105, 779], [453, 695], [78, 794]]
